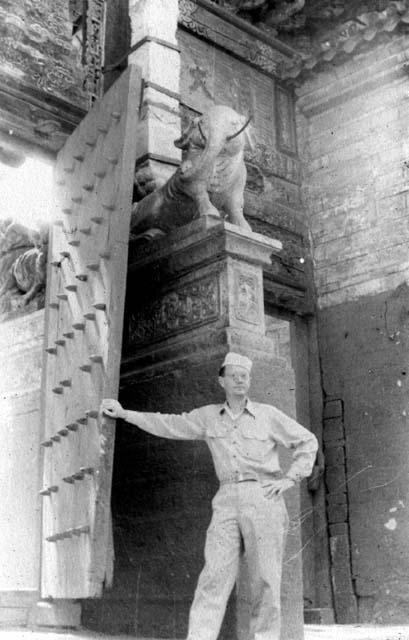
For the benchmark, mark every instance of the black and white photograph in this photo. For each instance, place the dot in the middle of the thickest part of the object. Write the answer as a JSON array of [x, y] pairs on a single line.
[[204, 319]]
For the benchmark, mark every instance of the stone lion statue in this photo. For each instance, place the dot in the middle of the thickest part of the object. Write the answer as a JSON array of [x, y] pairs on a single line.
[[209, 182]]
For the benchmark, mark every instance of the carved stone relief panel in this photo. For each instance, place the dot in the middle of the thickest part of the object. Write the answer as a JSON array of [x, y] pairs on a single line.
[[175, 311], [247, 296], [285, 120]]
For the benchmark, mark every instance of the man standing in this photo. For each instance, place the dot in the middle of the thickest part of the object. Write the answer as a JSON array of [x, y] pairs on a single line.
[[249, 513]]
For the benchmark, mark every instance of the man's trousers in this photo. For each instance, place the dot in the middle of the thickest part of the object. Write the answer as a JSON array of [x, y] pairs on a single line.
[[244, 520]]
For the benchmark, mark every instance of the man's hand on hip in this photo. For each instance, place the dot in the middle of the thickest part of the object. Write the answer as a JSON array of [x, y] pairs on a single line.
[[113, 408], [276, 488]]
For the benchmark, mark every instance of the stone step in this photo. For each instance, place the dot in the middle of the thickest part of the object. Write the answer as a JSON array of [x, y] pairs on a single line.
[[312, 632]]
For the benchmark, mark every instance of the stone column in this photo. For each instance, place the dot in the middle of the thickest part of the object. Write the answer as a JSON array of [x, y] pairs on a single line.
[[193, 296], [156, 52]]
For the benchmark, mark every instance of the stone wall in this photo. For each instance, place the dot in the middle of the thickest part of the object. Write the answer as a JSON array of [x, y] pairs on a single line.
[[353, 126], [21, 345]]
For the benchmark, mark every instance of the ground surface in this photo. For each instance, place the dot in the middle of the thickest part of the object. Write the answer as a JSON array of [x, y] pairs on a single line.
[[312, 632]]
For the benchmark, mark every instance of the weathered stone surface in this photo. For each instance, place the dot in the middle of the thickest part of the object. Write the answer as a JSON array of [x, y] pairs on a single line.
[[21, 343], [337, 513], [364, 352], [334, 455], [333, 430], [344, 598], [333, 409], [59, 613], [335, 478]]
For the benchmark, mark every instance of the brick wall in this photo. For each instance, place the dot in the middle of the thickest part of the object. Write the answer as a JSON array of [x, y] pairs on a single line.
[[353, 124]]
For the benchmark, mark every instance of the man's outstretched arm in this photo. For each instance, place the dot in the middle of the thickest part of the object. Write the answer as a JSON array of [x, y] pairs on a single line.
[[186, 426]]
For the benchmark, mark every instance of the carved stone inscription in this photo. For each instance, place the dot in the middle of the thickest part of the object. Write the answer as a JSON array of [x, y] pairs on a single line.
[[246, 297], [194, 304]]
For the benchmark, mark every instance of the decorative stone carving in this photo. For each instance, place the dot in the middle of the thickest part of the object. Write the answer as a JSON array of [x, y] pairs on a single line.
[[204, 19], [94, 48], [23, 258], [247, 297], [192, 305], [210, 180], [187, 9]]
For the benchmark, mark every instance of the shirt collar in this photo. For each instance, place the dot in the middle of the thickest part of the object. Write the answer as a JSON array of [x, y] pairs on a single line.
[[250, 408]]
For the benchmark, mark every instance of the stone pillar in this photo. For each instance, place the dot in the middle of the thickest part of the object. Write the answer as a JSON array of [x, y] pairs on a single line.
[[191, 297], [156, 52]]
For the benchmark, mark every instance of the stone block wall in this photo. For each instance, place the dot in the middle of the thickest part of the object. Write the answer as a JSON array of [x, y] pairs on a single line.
[[353, 128], [21, 347]]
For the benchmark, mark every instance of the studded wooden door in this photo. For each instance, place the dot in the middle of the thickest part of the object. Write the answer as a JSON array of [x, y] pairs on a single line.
[[84, 318]]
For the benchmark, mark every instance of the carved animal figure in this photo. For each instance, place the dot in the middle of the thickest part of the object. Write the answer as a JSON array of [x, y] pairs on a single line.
[[23, 254], [29, 271], [210, 180]]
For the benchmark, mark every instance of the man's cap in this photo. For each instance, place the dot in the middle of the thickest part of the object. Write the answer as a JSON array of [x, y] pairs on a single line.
[[237, 359]]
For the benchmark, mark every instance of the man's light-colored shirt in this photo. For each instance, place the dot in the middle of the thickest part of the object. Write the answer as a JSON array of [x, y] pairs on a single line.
[[245, 444]]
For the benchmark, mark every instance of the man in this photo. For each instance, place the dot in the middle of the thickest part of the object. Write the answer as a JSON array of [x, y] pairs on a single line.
[[248, 510]]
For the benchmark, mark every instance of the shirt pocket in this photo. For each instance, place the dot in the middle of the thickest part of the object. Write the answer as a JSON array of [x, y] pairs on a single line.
[[256, 443], [217, 430]]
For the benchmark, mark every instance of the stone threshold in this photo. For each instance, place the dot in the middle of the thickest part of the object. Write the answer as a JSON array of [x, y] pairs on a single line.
[[312, 632]]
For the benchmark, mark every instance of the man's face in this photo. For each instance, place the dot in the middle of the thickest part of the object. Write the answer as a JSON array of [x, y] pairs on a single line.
[[236, 381]]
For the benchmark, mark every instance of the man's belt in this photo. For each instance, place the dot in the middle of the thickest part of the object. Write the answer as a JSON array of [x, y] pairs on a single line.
[[235, 478]]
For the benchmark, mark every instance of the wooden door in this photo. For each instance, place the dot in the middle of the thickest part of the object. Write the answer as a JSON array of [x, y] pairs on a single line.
[[83, 329]]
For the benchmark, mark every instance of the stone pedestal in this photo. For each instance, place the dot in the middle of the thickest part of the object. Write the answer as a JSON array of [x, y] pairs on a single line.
[[200, 287], [191, 297]]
